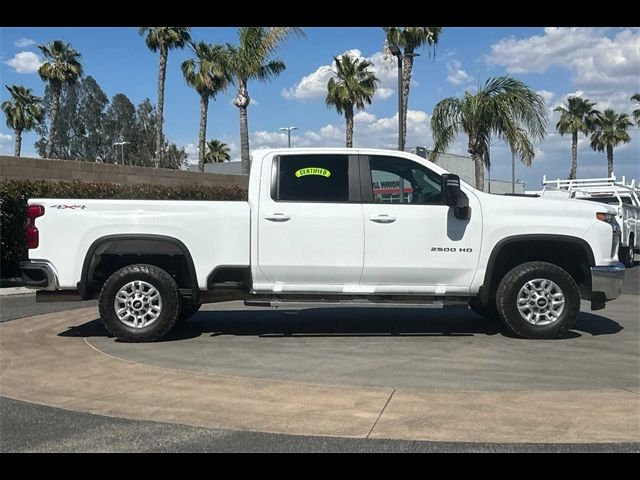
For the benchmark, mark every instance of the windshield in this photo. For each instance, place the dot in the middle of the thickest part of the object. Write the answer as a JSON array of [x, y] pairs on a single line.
[[608, 200]]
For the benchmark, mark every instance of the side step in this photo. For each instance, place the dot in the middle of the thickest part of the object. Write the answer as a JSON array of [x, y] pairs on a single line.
[[345, 301]]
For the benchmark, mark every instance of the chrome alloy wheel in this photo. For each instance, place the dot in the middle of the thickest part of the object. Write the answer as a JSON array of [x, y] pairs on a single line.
[[138, 304], [540, 301]]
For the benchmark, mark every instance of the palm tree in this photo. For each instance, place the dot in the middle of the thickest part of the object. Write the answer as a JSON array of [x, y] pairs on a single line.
[[208, 74], [409, 39], [576, 116], [217, 152], [163, 39], [608, 131], [352, 86], [250, 60], [504, 107], [62, 66], [636, 112], [24, 111]]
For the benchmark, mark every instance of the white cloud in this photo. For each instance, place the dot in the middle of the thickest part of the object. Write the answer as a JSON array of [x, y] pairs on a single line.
[[599, 64], [364, 117], [5, 144], [24, 42], [547, 96], [456, 75], [24, 62], [314, 85]]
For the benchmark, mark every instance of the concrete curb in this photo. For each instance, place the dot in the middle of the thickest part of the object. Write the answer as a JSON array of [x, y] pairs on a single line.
[[5, 292]]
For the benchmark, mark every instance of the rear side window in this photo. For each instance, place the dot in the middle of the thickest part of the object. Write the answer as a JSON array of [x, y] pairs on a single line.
[[313, 178]]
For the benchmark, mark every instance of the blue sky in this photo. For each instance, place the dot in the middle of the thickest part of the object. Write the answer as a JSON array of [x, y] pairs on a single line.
[[600, 64]]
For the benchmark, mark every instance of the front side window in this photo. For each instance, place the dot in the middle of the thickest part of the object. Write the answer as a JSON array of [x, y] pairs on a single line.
[[313, 178], [398, 180]]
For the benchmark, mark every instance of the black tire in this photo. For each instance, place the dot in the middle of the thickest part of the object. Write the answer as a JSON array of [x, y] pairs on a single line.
[[188, 309], [626, 254], [488, 312], [169, 295], [507, 297]]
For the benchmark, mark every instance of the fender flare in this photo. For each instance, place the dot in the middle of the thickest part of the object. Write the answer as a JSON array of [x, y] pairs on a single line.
[[488, 275], [87, 266]]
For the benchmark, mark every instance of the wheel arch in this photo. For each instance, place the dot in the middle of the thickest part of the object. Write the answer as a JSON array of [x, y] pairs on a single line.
[[135, 244], [497, 262]]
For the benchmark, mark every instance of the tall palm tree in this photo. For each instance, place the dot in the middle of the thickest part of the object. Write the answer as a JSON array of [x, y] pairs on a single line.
[[575, 116], [163, 39], [252, 59], [217, 152], [62, 66], [352, 86], [504, 107], [24, 111], [208, 73], [409, 39], [608, 131], [636, 112]]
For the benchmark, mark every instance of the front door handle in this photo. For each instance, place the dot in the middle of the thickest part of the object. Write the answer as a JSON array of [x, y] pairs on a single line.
[[277, 217], [382, 219]]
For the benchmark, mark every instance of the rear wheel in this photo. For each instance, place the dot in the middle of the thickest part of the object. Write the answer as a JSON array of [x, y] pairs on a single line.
[[538, 300], [626, 254], [139, 303]]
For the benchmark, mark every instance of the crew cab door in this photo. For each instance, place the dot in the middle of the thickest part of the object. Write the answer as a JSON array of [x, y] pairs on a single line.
[[310, 228], [412, 238]]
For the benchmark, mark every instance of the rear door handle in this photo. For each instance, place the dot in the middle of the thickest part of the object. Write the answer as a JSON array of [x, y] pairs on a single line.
[[382, 219], [277, 217]]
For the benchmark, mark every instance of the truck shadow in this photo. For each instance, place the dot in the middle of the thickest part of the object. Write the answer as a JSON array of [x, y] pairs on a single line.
[[346, 322]]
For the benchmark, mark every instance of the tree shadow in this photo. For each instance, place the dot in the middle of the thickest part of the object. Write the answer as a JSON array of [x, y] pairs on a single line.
[[346, 322]]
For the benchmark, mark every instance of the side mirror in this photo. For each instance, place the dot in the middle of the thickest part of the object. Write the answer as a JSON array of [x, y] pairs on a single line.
[[451, 189]]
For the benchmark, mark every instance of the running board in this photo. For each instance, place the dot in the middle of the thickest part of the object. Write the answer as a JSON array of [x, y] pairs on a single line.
[[341, 301]]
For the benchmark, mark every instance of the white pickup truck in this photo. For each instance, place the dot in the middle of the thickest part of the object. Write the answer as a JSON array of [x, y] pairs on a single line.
[[361, 226]]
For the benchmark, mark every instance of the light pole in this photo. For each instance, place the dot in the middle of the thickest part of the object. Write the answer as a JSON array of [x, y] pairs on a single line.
[[396, 52], [513, 172], [288, 130], [122, 144]]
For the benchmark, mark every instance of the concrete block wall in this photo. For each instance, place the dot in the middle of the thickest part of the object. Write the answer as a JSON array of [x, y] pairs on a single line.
[[24, 168]]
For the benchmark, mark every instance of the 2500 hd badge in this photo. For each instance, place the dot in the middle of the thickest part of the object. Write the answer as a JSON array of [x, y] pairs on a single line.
[[451, 249]]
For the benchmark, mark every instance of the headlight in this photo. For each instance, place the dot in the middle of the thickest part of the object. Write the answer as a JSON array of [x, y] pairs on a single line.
[[609, 218]]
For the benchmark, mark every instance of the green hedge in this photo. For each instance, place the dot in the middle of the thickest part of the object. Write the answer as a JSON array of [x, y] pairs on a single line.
[[15, 193]]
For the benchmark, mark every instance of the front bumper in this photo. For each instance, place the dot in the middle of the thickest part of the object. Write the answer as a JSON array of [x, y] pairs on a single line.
[[606, 283], [38, 275]]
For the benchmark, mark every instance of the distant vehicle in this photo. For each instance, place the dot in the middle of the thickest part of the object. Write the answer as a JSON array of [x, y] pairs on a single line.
[[623, 196], [329, 226]]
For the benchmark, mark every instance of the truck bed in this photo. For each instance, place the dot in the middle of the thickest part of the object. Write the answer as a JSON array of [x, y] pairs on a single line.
[[215, 232]]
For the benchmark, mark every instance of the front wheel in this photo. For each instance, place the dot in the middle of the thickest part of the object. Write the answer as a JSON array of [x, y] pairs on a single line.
[[538, 300], [139, 303]]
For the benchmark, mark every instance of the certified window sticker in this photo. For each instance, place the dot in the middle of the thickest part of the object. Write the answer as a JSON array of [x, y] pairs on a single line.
[[317, 171]]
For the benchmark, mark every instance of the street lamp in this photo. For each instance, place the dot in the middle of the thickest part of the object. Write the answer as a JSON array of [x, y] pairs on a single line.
[[122, 144], [288, 130], [396, 52]]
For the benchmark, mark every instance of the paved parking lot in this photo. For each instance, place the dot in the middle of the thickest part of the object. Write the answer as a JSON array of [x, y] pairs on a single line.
[[417, 374]]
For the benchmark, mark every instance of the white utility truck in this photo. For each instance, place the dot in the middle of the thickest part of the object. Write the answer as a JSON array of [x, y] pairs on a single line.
[[331, 226], [619, 194]]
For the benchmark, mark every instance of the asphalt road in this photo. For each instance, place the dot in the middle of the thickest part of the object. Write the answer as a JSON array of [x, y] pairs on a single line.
[[29, 427], [26, 427]]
